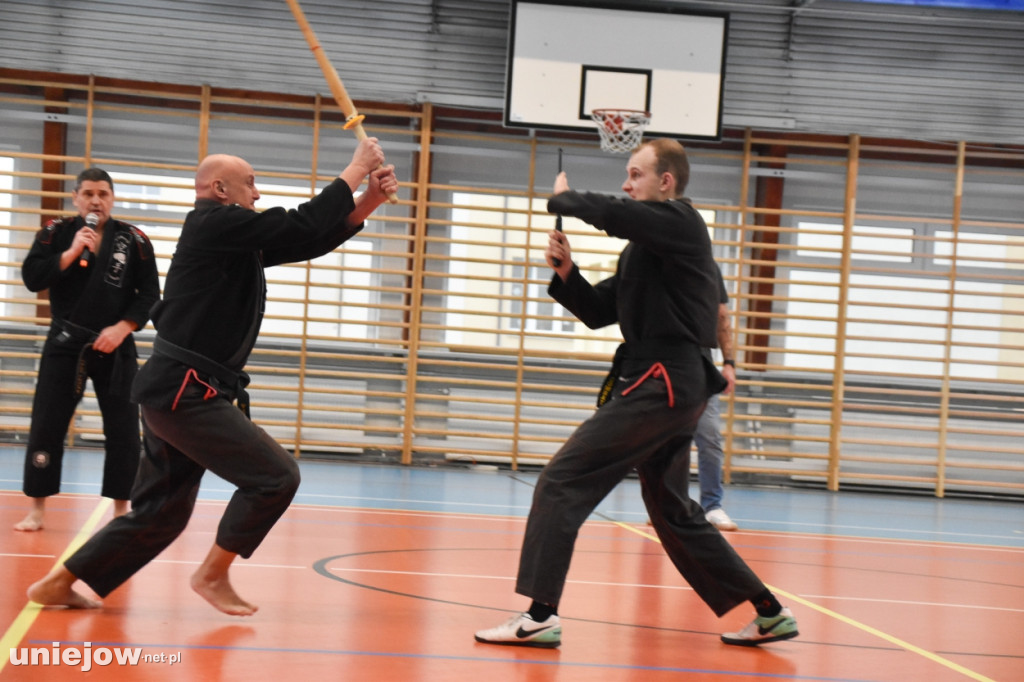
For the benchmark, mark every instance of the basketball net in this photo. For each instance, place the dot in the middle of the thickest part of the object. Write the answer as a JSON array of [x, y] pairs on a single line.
[[621, 129]]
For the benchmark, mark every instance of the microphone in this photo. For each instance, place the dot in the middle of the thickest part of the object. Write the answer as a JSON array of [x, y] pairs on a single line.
[[86, 256]]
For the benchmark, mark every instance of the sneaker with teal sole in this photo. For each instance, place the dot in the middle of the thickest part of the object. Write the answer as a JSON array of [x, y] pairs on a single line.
[[522, 630], [764, 630]]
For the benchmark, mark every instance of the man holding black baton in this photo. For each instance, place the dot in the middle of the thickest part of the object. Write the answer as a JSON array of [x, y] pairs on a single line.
[[664, 296]]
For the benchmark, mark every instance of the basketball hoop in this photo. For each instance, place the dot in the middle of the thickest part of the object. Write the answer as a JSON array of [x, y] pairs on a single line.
[[621, 129]]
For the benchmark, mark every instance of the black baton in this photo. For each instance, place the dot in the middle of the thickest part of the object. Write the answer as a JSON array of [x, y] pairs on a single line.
[[558, 217]]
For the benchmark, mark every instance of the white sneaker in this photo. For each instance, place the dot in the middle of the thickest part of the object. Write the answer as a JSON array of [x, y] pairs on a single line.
[[764, 630], [720, 520], [522, 630]]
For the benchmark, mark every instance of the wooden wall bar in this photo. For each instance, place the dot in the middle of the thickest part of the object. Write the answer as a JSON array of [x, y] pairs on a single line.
[[876, 285]]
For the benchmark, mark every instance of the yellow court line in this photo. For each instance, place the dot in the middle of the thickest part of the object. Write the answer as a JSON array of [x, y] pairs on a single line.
[[849, 621], [16, 632]]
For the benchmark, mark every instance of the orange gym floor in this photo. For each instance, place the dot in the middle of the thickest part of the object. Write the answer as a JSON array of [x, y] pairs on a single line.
[[383, 573]]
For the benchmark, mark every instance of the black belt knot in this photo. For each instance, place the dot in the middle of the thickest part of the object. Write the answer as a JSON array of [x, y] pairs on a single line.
[[229, 382]]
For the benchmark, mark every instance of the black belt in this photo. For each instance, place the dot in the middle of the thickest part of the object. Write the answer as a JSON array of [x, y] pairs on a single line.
[[71, 335], [655, 350], [230, 382]]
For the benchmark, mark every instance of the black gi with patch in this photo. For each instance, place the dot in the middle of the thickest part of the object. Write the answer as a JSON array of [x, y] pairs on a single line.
[[120, 283], [213, 304], [664, 296]]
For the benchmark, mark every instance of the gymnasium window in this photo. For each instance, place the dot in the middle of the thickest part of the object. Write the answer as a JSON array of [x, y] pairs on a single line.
[[542, 313], [981, 250], [491, 238], [9, 269], [883, 244], [897, 306], [339, 290], [339, 295], [337, 304], [157, 205]]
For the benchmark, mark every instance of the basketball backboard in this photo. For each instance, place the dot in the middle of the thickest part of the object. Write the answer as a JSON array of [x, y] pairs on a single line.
[[567, 58]]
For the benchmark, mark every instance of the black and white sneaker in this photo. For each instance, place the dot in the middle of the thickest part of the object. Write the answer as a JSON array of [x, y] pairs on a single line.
[[522, 630], [763, 630]]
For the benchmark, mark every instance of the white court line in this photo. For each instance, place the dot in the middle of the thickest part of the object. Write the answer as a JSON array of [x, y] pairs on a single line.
[[611, 514], [473, 576], [740, 533], [353, 499], [155, 561], [751, 534], [463, 576], [912, 603], [853, 539], [409, 512], [874, 529], [453, 503], [240, 564]]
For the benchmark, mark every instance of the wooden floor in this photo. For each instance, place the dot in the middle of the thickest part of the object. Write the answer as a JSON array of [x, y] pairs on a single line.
[[383, 573]]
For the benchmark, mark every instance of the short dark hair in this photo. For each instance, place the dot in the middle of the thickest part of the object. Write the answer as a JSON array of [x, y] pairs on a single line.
[[672, 159], [93, 175]]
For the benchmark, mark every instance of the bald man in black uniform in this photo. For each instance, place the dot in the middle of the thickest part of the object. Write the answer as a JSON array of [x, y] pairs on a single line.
[[207, 325]]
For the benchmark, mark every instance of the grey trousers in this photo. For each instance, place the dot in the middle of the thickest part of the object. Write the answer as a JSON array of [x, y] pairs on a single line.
[[638, 431], [179, 447]]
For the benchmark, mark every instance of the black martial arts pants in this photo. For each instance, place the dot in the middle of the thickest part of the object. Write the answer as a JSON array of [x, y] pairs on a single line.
[[639, 430], [54, 405], [180, 446]]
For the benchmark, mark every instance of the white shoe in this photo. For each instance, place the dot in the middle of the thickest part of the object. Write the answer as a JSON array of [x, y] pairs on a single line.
[[720, 520], [764, 630], [522, 630]]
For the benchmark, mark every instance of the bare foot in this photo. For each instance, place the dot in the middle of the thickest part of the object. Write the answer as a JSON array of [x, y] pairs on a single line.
[[34, 520], [120, 508], [31, 523], [221, 595], [55, 590]]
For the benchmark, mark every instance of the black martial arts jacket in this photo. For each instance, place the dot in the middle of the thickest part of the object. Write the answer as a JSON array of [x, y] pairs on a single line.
[[665, 291], [215, 292], [120, 283]]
